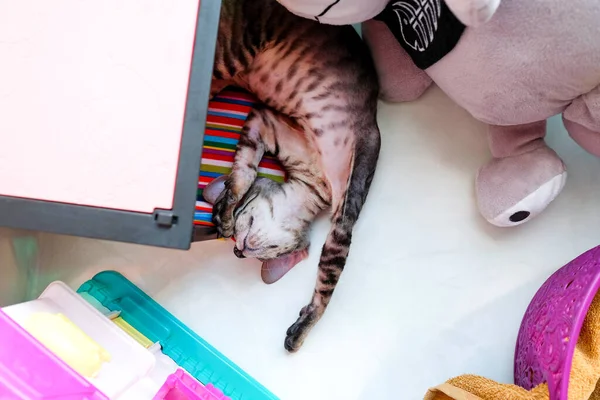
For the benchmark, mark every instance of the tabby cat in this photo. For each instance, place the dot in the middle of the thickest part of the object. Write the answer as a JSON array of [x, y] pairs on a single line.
[[319, 89]]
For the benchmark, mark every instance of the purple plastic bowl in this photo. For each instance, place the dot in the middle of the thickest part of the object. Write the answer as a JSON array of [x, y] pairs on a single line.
[[551, 325]]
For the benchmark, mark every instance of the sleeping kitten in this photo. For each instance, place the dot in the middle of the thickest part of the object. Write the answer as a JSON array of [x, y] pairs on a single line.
[[272, 220], [319, 88]]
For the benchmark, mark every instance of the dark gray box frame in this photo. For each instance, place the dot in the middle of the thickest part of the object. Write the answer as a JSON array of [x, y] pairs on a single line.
[[165, 228]]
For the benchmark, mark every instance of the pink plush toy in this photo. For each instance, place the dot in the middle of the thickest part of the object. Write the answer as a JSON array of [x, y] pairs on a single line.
[[511, 64], [533, 59]]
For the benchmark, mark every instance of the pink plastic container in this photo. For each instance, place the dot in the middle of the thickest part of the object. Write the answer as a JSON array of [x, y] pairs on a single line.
[[551, 325], [29, 371], [182, 386]]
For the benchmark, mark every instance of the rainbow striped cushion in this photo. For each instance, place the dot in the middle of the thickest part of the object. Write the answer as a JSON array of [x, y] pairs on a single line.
[[227, 113]]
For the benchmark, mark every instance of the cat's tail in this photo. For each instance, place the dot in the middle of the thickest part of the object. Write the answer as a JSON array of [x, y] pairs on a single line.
[[335, 251]]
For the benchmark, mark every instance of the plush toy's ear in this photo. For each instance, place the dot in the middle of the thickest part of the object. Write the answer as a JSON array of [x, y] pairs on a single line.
[[473, 12], [274, 270], [212, 191]]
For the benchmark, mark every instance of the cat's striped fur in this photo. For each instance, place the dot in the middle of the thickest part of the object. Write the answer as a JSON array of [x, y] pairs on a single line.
[[315, 79]]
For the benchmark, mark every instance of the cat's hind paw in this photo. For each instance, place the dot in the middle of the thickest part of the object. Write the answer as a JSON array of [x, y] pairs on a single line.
[[296, 333]]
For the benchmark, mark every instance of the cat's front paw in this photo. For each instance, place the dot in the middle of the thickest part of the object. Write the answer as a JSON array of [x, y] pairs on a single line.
[[296, 333], [223, 214]]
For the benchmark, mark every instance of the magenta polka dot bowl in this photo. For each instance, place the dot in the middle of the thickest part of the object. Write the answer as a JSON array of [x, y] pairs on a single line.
[[551, 325]]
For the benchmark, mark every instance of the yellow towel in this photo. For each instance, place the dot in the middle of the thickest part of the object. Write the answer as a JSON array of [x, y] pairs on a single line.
[[583, 382]]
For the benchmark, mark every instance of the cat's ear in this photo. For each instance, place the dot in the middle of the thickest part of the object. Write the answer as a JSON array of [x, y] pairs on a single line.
[[274, 270], [213, 190]]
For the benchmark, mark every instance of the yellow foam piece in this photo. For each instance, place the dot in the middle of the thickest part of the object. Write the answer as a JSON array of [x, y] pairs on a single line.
[[134, 333], [68, 342]]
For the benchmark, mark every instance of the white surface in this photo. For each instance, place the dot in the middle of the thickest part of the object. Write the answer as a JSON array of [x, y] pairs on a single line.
[[129, 361], [13, 269], [430, 290], [92, 95]]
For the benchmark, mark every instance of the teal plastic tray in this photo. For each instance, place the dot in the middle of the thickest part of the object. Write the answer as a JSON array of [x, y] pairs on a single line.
[[179, 342]]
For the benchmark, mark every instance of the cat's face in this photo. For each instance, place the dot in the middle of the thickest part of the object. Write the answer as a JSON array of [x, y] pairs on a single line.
[[265, 227], [267, 224]]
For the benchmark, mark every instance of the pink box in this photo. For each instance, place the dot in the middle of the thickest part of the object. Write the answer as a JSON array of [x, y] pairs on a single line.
[[182, 386], [29, 371]]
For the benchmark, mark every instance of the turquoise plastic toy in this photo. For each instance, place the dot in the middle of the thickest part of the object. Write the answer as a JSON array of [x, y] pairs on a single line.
[[186, 348]]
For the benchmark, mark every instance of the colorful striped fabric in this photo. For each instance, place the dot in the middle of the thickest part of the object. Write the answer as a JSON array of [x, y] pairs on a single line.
[[227, 113]]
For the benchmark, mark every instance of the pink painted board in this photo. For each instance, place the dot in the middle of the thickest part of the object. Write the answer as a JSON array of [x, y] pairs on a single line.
[[92, 97]]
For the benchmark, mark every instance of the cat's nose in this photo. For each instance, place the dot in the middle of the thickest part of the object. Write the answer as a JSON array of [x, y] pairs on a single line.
[[238, 253]]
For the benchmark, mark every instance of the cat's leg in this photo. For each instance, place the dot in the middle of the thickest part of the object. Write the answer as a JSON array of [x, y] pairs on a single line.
[[346, 207], [228, 66], [216, 86], [258, 136], [248, 154]]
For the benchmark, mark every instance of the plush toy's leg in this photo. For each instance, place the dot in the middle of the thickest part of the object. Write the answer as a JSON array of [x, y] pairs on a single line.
[[524, 176], [582, 120], [399, 78]]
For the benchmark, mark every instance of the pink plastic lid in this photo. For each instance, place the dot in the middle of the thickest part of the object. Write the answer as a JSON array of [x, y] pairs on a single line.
[[182, 386], [29, 371]]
